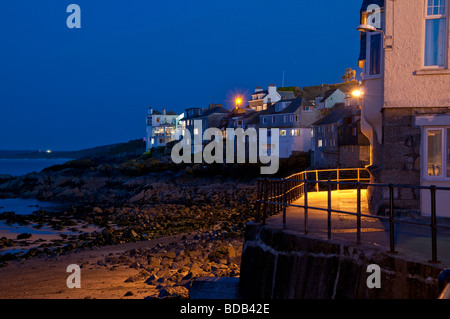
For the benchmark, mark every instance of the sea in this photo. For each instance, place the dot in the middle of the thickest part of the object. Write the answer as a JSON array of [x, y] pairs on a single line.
[[17, 167], [24, 206]]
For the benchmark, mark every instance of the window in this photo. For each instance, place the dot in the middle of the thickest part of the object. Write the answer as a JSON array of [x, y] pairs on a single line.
[[375, 41], [435, 33], [319, 143], [282, 132], [297, 118], [195, 131], [294, 132], [437, 157], [264, 120], [285, 118], [273, 119]]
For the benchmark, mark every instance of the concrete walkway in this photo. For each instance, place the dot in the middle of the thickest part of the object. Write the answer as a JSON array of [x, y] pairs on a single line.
[[411, 240]]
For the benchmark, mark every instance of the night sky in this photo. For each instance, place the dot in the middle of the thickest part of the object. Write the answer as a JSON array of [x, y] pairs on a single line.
[[68, 89]]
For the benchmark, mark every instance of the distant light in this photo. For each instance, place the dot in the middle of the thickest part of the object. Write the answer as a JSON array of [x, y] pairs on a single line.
[[357, 93], [48, 151]]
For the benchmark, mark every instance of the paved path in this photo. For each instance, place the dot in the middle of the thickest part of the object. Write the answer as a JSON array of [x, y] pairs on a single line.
[[411, 240]]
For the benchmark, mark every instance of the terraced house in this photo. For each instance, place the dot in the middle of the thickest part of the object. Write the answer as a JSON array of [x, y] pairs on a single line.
[[294, 118], [405, 58]]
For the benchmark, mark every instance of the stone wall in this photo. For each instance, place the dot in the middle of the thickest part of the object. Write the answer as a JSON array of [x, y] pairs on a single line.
[[279, 264], [398, 159]]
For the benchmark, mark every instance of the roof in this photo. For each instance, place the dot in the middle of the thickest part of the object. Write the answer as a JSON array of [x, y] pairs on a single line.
[[287, 95], [335, 116], [328, 94], [291, 108], [171, 113], [216, 110]]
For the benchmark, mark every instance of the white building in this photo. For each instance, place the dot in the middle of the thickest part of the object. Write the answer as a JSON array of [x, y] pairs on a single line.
[[161, 127], [261, 99], [331, 98]]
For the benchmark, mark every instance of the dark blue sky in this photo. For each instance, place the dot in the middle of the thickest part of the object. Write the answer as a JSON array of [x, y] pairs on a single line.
[[68, 89]]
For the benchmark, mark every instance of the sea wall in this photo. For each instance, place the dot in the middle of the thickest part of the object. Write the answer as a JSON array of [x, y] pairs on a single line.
[[279, 264]]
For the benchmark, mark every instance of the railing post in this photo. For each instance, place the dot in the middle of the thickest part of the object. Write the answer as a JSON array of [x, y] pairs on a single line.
[[259, 198], [434, 259], [358, 214], [284, 203], [306, 206], [329, 208], [317, 181], [391, 220], [337, 179], [266, 195]]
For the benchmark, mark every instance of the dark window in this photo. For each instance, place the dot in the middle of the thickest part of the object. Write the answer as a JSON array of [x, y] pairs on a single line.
[[375, 54]]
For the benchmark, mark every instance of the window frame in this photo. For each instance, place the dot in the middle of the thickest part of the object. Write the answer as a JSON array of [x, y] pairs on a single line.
[[427, 17], [369, 58], [444, 156]]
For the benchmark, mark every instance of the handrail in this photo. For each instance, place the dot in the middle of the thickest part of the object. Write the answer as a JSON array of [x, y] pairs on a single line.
[[275, 195]]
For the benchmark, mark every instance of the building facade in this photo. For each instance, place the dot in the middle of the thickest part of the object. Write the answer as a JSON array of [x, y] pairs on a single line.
[[405, 112], [161, 127], [294, 118]]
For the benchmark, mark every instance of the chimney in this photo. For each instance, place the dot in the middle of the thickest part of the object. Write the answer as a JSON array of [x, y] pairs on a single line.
[[258, 89], [272, 89], [150, 110]]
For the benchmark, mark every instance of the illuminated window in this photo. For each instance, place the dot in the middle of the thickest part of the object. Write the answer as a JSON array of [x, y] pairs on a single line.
[[195, 131], [319, 143], [437, 157], [282, 132]]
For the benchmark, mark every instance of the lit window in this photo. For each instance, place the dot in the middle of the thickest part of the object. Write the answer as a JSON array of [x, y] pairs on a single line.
[[319, 143], [282, 132], [294, 132], [434, 152], [195, 131], [435, 33]]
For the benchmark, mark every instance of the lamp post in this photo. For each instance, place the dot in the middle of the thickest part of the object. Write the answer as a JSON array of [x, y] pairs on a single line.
[[371, 28]]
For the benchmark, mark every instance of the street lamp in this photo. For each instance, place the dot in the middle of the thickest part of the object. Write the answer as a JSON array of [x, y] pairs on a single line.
[[371, 28], [238, 102], [357, 93]]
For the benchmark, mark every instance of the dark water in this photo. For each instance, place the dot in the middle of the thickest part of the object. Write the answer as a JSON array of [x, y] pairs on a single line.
[[21, 206], [17, 167]]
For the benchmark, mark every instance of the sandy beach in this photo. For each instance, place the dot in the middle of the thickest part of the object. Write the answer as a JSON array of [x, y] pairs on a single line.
[[45, 277]]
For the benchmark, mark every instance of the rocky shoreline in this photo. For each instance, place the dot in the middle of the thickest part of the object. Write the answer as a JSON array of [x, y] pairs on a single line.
[[111, 205]]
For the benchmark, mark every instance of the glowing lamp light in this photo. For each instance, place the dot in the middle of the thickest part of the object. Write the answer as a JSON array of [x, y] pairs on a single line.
[[357, 93]]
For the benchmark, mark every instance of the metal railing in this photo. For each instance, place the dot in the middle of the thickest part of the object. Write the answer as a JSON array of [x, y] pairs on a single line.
[[275, 195]]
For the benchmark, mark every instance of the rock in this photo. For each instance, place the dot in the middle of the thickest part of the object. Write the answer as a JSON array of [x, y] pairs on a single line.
[[152, 280], [97, 210], [180, 292], [129, 293], [24, 236], [170, 254], [154, 261]]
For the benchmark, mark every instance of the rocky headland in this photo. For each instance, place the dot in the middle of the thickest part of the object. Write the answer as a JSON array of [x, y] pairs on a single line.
[[133, 201]]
